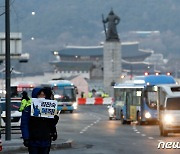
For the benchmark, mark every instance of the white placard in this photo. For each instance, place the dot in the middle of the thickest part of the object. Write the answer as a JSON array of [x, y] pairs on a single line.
[[41, 107]]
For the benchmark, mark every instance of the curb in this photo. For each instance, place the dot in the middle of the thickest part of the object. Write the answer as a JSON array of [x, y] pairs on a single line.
[[54, 146], [64, 145]]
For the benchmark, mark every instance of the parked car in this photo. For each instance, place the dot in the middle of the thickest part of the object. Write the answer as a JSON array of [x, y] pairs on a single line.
[[114, 111], [15, 114]]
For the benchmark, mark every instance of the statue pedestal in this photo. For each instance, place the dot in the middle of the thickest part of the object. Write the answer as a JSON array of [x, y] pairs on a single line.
[[112, 65]]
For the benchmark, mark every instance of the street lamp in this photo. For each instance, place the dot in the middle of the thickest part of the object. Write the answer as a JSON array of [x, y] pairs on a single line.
[[8, 73], [33, 13]]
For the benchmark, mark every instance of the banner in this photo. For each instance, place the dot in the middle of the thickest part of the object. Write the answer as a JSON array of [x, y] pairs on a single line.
[[41, 107]]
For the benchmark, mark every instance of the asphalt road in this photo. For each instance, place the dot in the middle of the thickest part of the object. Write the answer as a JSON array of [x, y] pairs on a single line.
[[93, 133]]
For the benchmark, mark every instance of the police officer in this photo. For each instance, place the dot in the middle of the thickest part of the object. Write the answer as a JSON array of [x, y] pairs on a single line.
[[25, 108], [25, 101]]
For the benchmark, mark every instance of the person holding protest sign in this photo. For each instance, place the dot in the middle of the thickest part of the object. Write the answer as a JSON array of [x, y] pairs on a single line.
[[42, 130]]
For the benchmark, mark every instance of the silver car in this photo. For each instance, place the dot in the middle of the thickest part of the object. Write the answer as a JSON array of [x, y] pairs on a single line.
[[15, 114]]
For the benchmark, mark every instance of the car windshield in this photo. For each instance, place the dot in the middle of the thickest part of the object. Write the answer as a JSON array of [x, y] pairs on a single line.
[[173, 103], [152, 99], [14, 106], [17, 93], [67, 94]]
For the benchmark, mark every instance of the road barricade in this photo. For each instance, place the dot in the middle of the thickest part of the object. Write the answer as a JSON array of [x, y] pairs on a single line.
[[95, 101], [81, 101]]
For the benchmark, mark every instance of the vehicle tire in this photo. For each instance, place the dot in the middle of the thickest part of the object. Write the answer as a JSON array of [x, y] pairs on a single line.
[[164, 132], [141, 123], [128, 122], [160, 128], [71, 111], [123, 121], [110, 118], [161, 132], [139, 120]]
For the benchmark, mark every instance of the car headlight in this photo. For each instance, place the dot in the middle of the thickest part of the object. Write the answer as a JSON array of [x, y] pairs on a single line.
[[74, 105], [168, 119], [147, 115], [57, 96], [111, 110]]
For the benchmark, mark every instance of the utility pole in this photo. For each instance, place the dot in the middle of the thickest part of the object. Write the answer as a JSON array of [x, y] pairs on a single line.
[[8, 74]]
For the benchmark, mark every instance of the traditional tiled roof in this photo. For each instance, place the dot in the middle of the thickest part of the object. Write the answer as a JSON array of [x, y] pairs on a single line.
[[82, 51], [130, 51], [136, 66], [132, 57], [86, 66], [73, 66]]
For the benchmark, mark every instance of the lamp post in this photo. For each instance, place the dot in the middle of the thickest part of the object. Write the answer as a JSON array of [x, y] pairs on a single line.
[[8, 73]]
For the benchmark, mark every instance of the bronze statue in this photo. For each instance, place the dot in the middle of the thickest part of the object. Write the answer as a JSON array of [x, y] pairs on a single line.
[[112, 20]]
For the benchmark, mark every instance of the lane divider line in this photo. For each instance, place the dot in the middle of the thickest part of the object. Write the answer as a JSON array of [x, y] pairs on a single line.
[[138, 132], [151, 138], [90, 125]]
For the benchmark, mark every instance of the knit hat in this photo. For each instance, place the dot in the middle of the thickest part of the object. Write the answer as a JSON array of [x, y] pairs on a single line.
[[36, 91]]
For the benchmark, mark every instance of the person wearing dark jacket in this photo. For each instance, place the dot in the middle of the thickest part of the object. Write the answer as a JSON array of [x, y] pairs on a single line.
[[42, 131]]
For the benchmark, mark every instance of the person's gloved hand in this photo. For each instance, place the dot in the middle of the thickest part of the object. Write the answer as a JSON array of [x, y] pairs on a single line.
[[26, 142], [56, 117], [54, 136], [55, 121]]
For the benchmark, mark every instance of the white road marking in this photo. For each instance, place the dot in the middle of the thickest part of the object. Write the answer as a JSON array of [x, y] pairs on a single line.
[[85, 128], [138, 132], [151, 138]]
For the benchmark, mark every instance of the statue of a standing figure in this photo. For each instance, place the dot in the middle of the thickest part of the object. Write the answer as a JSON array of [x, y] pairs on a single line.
[[112, 20]]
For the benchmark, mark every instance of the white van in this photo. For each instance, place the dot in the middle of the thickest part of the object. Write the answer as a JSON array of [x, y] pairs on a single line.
[[169, 109]]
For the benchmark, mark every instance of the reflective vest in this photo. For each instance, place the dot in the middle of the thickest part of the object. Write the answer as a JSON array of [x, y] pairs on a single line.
[[89, 94], [24, 104]]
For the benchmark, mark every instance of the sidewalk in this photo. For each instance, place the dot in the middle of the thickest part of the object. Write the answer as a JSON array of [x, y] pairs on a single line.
[[16, 145]]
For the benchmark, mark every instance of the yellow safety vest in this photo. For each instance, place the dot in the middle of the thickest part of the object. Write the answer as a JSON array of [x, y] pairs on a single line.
[[24, 104]]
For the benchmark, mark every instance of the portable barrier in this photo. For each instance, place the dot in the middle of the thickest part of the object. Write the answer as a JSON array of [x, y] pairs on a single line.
[[95, 101]]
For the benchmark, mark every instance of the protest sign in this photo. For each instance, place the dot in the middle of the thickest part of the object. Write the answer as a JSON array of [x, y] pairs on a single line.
[[42, 107]]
